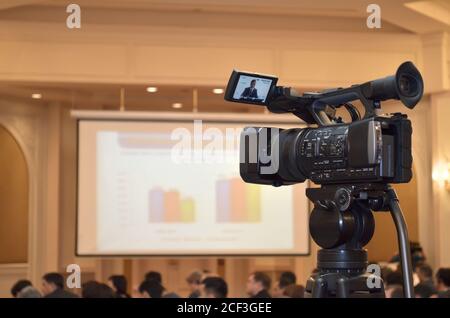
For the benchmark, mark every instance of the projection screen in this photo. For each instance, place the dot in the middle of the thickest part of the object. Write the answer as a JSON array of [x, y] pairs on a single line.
[[152, 184]]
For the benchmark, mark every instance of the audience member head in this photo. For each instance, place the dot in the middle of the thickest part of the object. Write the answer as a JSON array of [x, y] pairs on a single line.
[[394, 278], [214, 287], [52, 282], [151, 289], [286, 279], [119, 284], [194, 281], [29, 292], [443, 279], [93, 289], [19, 285], [417, 254], [424, 272], [152, 275], [294, 291], [258, 282]]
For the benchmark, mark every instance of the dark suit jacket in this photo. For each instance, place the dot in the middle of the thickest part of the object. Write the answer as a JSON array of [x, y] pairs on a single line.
[[444, 294], [247, 93], [262, 294], [61, 293]]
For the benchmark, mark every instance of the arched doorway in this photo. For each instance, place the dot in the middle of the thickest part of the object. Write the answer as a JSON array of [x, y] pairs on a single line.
[[14, 191]]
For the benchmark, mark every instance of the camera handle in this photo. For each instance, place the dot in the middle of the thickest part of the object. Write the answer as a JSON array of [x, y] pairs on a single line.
[[323, 115], [342, 223]]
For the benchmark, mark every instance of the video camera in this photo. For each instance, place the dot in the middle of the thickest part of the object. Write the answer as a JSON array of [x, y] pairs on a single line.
[[374, 148]]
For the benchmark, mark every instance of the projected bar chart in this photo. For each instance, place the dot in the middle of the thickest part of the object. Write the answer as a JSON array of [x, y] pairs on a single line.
[[169, 207], [237, 202]]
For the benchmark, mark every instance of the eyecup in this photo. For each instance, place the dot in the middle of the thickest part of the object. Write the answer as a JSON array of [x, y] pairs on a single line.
[[407, 70]]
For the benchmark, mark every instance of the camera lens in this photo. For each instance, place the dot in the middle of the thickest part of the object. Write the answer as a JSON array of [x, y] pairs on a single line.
[[407, 85]]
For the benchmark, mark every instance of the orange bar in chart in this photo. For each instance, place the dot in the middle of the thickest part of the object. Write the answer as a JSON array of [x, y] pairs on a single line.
[[187, 210], [237, 198], [172, 207], [253, 202]]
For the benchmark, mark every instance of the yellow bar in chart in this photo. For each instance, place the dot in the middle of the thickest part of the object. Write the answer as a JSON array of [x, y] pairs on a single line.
[[187, 210]]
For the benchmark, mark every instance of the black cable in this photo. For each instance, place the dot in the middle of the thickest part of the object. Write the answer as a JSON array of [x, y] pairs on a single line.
[[403, 243]]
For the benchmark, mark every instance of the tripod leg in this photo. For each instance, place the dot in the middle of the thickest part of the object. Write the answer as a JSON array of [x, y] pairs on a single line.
[[403, 243], [320, 288], [342, 288]]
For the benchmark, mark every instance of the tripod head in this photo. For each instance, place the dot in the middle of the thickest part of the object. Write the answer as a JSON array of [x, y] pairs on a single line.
[[342, 216], [342, 224]]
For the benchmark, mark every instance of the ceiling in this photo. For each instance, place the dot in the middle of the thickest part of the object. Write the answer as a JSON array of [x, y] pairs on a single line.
[[399, 16], [417, 16], [284, 7], [216, 14]]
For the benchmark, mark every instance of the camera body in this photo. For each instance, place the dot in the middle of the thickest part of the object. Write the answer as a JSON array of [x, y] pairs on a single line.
[[372, 149], [366, 151]]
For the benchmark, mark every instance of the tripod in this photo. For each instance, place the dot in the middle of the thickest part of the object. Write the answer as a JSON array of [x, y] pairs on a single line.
[[342, 223]]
